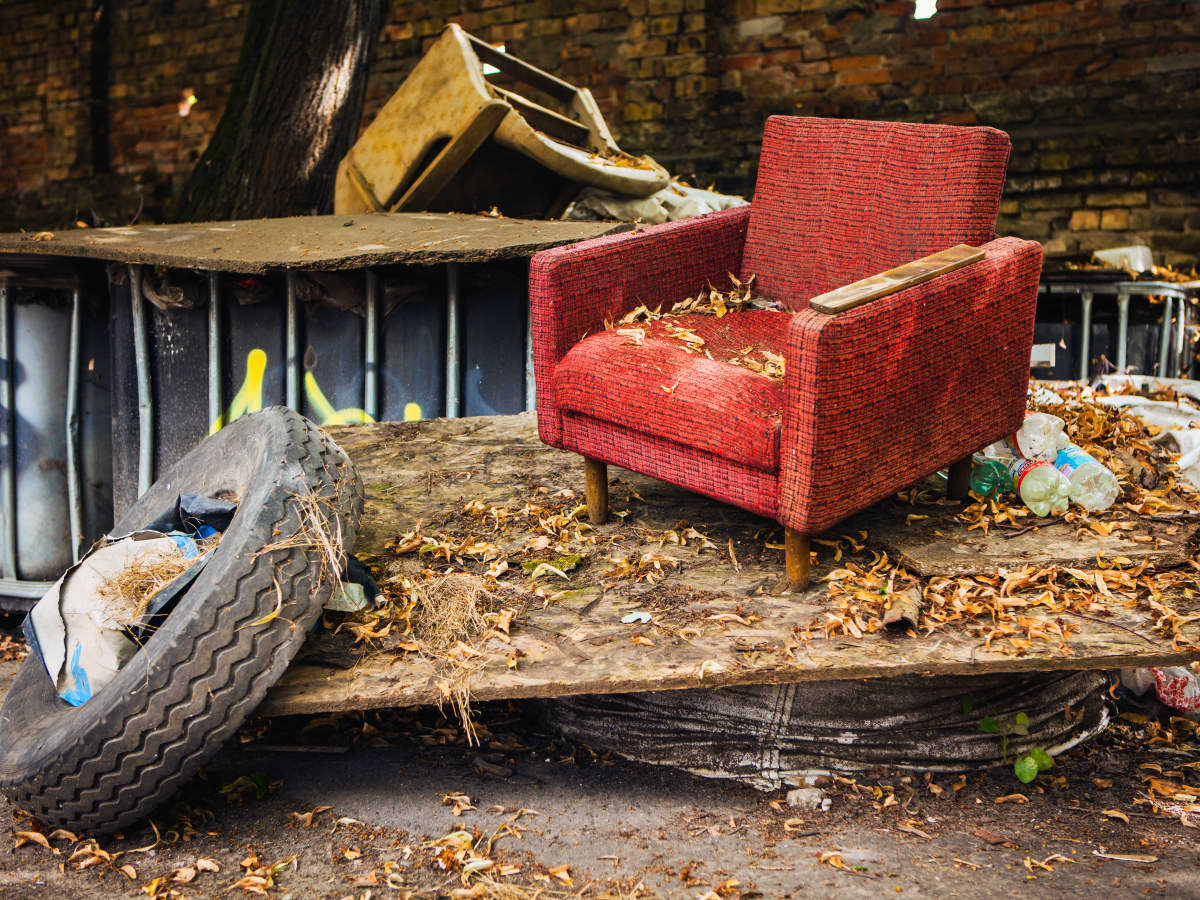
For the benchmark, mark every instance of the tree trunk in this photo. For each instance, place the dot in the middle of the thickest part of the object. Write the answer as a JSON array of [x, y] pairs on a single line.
[[292, 114]]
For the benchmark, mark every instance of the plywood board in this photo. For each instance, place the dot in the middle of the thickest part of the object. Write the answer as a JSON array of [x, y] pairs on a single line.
[[311, 242], [737, 623]]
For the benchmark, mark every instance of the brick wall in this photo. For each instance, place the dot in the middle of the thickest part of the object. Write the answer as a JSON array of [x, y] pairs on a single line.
[[1101, 97], [55, 165]]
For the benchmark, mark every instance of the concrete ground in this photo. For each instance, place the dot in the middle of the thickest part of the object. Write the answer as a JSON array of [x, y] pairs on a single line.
[[391, 782]]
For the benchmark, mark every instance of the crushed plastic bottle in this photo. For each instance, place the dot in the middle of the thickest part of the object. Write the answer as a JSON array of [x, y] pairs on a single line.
[[1091, 484], [989, 476], [1041, 487], [1040, 437]]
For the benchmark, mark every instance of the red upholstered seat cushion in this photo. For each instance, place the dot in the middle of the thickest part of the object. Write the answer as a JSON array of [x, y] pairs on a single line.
[[647, 380]]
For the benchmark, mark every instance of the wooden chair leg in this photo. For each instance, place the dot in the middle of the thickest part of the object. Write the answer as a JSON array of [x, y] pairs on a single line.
[[958, 484], [596, 475], [798, 560]]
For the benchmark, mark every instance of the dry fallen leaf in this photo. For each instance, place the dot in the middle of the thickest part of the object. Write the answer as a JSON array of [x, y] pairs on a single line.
[[1012, 798], [30, 837], [989, 837], [305, 820], [831, 858], [1125, 857], [1115, 814]]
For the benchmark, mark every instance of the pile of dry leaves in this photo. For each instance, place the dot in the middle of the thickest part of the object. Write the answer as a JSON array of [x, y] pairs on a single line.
[[711, 302], [1000, 610], [12, 649]]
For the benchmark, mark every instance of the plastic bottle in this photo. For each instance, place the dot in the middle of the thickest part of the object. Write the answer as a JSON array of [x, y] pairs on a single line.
[[1041, 487], [1040, 437], [1091, 484], [989, 476]]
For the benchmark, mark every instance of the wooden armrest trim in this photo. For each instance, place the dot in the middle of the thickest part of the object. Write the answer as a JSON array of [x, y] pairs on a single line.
[[897, 279]]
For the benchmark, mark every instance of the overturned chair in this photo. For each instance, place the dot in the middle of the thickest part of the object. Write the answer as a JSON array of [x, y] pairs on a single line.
[[452, 140], [890, 373]]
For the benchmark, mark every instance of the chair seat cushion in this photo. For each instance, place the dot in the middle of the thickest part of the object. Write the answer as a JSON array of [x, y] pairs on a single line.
[[674, 379]]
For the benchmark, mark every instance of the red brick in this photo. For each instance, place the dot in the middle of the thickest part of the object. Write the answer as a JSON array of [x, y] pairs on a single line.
[[852, 77], [858, 62]]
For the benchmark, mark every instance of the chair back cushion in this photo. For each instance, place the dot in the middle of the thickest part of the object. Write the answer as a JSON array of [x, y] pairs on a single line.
[[840, 199]]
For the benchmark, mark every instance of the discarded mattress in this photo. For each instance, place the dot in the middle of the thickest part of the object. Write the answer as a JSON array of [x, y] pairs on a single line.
[[776, 735]]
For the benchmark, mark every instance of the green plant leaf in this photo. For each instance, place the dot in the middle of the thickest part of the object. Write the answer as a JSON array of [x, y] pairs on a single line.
[[1042, 758], [988, 724], [1026, 769], [967, 705], [1020, 724]]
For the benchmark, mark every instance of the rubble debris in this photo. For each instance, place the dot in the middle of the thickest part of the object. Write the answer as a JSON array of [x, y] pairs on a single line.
[[92, 621], [809, 798], [678, 200]]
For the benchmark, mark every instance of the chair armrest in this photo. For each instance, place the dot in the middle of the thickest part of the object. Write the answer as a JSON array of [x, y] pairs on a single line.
[[894, 280], [882, 395], [573, 289]]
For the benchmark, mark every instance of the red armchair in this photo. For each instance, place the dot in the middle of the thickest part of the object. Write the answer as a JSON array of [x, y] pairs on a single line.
[[873, 399]]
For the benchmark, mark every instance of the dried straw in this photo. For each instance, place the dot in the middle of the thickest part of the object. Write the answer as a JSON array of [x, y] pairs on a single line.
[[320, 530], [457, 607], [132, 589]]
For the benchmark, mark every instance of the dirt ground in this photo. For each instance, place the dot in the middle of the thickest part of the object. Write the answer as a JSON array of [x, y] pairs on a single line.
[[354, 806]]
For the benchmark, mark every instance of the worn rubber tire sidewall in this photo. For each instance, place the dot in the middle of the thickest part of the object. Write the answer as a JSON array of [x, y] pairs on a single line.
[[110, 761]]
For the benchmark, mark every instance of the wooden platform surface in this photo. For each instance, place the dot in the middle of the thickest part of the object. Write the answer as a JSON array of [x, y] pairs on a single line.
[[311, 242], [712, 625]]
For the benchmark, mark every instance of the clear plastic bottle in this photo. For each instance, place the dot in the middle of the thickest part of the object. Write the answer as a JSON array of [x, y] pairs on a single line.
[[1091, 484], [1042, 488], [1040, 437], [989, 476]]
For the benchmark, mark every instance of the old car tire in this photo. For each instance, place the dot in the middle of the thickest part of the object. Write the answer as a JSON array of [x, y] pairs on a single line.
[[106, 764]]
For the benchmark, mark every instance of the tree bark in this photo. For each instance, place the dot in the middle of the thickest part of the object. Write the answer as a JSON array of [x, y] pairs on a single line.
[[293, 111]]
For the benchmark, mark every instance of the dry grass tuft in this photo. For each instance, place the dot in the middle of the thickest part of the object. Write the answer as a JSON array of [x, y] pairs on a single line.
[[320, 530], [457, 607], [132, 590]]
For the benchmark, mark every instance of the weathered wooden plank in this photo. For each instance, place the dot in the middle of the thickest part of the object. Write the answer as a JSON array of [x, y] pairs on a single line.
[[427, 470], [311, 242], [908, 275]]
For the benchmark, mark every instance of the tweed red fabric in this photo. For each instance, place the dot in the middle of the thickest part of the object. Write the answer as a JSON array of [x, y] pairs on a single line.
[[695, 470], [839, 200], [574, 289], [883, 395], [874, 399], [657, 386]]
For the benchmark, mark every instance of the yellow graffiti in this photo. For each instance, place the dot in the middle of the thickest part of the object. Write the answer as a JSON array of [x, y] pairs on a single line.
[[326, 414], [249, 399]]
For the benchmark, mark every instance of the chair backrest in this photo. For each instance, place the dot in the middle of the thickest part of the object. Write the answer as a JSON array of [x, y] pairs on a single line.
[[840, 199]]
